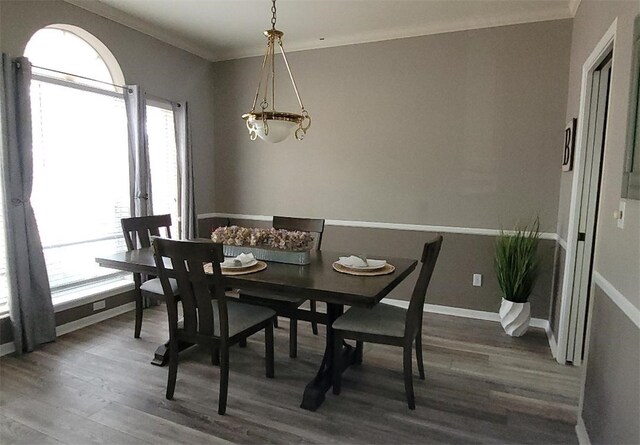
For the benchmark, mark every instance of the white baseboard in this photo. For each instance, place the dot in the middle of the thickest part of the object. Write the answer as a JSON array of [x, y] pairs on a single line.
[[553, 344], [581, 432], [466, 313], [7, 348], [93, 319]]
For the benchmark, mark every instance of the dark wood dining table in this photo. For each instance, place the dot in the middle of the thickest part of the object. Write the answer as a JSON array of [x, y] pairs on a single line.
[[317, 280]]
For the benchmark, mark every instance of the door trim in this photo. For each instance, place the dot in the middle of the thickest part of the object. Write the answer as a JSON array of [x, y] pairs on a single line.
[[605, 46]]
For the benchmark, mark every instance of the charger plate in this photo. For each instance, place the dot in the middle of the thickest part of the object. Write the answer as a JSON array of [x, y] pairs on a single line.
[[387, 269], [260, 265]]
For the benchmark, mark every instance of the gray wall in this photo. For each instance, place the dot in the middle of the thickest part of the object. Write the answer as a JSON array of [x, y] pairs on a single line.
[[610, 396], [618, 250], [161, 69], [460, 257], [461, 129]]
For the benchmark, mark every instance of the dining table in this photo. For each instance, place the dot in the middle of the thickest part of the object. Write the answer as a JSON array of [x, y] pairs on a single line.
[[317, 280]]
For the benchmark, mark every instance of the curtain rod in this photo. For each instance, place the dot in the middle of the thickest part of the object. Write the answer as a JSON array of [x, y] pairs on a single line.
[[124, 87]]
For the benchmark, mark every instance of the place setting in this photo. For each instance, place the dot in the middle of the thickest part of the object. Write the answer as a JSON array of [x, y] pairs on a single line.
[[360, 265], [243, 264]]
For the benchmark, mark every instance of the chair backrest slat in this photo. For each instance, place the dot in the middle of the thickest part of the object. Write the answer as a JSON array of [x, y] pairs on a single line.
[[142, 228], [430, 254], [196, 288], [303, 225]]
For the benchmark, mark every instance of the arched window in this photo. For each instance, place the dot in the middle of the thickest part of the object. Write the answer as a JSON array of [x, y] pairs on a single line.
[[75, 55], [80, 156]]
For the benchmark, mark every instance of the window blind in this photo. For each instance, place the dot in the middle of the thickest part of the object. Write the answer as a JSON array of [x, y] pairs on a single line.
[[163, 160], [81, 179]]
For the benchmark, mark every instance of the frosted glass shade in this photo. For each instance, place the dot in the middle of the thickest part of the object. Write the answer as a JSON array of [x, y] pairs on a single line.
[[278, 130], [280, 125]]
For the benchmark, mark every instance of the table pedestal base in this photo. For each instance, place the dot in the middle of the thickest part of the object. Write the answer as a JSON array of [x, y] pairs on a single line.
[[314, 392], [161, 356]]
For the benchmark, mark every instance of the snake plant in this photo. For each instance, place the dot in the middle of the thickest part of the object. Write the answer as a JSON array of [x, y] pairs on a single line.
[[516, 261]]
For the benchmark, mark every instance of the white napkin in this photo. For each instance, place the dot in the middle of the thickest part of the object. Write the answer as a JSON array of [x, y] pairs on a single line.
[[241, 260], [354, 261]]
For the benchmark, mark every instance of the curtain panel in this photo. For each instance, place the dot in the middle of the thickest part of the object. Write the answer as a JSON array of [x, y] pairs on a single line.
[[30, 305], [139, 167], [186, 201]]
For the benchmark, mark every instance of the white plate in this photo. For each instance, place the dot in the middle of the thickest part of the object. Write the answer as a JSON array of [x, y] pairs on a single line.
[[230, 264], [373, 265]]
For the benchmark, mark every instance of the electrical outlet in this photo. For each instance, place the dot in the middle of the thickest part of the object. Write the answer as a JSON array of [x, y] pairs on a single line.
[[98, 305], [477, 279]]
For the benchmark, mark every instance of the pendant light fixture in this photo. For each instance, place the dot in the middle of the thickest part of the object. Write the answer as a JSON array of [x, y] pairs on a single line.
[[267, 123]]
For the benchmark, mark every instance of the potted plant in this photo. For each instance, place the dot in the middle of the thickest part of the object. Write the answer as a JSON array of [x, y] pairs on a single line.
[[516, 265]]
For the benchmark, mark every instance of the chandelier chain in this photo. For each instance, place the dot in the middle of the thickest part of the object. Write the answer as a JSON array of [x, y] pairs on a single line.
[[273, 12]]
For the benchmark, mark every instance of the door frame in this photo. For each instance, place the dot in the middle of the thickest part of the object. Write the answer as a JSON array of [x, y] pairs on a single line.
[[602, 49]]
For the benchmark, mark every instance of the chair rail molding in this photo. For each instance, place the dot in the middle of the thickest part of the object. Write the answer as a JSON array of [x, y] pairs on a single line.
[[385, 225], [618, 298]]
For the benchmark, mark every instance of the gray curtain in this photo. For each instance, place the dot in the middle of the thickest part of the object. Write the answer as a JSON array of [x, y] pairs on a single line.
[[30, 305], [186, 199], [139, 168]]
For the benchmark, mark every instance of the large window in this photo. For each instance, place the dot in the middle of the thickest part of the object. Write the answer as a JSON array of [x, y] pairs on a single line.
[[80, 157], [81, 183], [164, 161], [80, 179]]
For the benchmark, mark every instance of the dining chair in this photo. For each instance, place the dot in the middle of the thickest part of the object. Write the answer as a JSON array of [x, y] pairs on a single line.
[[209, 318], [287, 305], [137, 233], [390, 325]]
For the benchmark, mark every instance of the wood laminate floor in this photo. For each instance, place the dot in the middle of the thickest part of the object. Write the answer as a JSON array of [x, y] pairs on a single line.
[[96, 385]]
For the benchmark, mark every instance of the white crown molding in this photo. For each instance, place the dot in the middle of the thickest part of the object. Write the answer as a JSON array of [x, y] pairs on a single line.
[[155, 31], [394, 34], [172, 38], [573, 7], [616, 296], [384, 225]]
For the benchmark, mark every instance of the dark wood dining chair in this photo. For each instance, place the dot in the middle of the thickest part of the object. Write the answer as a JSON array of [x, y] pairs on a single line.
[[137, 233], [287, 305], [209, 318], [390, 325]]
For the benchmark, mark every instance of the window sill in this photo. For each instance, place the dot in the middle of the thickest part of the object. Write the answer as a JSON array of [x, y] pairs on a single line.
[[89, 294]]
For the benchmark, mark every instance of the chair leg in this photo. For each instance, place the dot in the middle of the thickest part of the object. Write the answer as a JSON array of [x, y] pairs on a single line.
[[408, 377], [224, 379], [293, 337], [275, 322], [336, 376], [419, 355], [215, 357], [359, 348], [243, 342], [314, 325], [173, 368], [138, 326], [268, 349]]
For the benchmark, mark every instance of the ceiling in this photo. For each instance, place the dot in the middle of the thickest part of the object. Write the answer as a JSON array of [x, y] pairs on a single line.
[[230, 29]]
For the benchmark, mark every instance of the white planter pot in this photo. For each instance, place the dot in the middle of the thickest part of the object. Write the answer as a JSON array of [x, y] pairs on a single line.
[[515, 317]]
